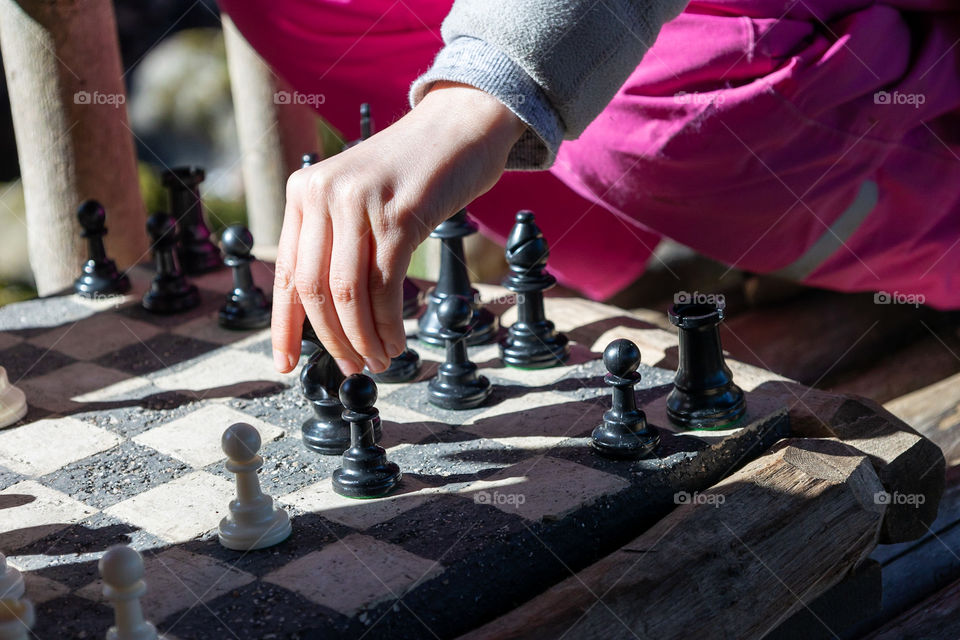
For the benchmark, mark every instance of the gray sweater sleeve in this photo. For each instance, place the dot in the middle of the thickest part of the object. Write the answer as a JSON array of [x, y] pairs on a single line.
[[555, 63]]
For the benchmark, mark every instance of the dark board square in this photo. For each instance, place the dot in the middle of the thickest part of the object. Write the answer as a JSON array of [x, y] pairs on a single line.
[[158, 353], [117, 474], [25, 361]]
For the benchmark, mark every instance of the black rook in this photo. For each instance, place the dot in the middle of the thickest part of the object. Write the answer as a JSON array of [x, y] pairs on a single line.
[[704, 395]]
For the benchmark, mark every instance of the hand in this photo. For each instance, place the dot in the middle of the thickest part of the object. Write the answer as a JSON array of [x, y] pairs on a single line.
[[352, 222]]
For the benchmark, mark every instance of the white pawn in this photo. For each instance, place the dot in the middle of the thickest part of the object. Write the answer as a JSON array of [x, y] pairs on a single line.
[[13, 403], [11, 582], [254, 522], [122, 571], [16, 619]]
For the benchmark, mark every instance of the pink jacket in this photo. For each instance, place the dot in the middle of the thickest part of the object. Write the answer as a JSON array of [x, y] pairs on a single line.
[[822, 144]]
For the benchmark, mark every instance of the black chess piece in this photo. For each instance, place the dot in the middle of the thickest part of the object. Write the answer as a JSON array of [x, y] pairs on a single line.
[[195, 250], [246, 306], [532, 342], [454, 280], [100, 276], [457, 385], [704, 395], [402, 368], [366, 126], [365, 471], [169, 291], [405, 366], [624, 433], [326, 431], [411, 298], [309, 159]]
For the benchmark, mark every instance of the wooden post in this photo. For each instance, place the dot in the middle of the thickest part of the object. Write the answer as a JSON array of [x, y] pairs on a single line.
[[732, 563], [274, 129], [62, 64]]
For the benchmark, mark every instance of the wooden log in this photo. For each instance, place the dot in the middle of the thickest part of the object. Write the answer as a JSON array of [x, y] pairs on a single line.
[[933, 619], [910, 466], [838, 611], [274, 128], [734, 563], [62, 65]]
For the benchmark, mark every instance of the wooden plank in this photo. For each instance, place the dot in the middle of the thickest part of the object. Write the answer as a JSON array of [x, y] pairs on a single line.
[[712, 568], [935, 412], [898, 372], [934, 619], [816, 337]]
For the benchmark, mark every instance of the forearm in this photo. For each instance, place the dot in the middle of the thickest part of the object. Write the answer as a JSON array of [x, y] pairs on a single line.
[[555, 63]]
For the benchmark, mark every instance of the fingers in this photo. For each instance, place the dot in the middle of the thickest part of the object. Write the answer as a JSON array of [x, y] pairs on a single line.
[[313, 267], [286, 324], [386, 297], [349, 288]]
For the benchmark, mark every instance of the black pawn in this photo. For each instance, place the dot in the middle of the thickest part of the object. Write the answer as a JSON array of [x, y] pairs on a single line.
[[309, 159], [624, 433], [326, 431], [454, 280], [196, 251], [532, 342], [704, 395], [457, 385], [365, 472], [100, 276], [246, 307], [169, 291]]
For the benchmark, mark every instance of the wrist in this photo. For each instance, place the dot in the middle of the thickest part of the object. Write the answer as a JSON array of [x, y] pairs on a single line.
[[480, 114]]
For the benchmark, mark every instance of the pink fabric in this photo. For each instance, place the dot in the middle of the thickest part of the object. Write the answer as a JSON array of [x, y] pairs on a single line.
[[745, 133]]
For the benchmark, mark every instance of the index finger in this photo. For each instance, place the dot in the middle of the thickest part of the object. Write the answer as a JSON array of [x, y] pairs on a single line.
[[286, 325]]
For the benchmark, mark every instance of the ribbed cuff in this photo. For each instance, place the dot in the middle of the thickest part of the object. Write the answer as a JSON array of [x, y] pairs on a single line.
[[476, 63]]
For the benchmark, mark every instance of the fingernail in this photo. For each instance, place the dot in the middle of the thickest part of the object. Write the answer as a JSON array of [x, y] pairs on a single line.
[[282, 361], [393, 350], [348, 367], [374, 366]]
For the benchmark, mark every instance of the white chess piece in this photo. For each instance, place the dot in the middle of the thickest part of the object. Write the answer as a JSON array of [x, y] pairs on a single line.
[[254, 522], [13, 403], [122, 571], [16, 619], [11, 582]]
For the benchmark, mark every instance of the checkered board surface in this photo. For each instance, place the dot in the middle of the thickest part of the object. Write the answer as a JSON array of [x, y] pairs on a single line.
[[121, 445]]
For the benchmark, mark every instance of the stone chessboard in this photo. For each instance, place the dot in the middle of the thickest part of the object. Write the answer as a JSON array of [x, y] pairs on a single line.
[[121, 445]]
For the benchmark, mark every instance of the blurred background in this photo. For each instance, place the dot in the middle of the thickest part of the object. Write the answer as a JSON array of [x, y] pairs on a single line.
[[181, 112]]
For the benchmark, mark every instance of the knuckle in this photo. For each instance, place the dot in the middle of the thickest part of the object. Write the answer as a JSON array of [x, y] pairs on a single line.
[[282, 277], [309, 288], [343, 290]]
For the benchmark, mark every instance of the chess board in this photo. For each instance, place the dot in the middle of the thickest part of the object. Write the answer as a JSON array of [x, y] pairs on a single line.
[[122, 445]]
